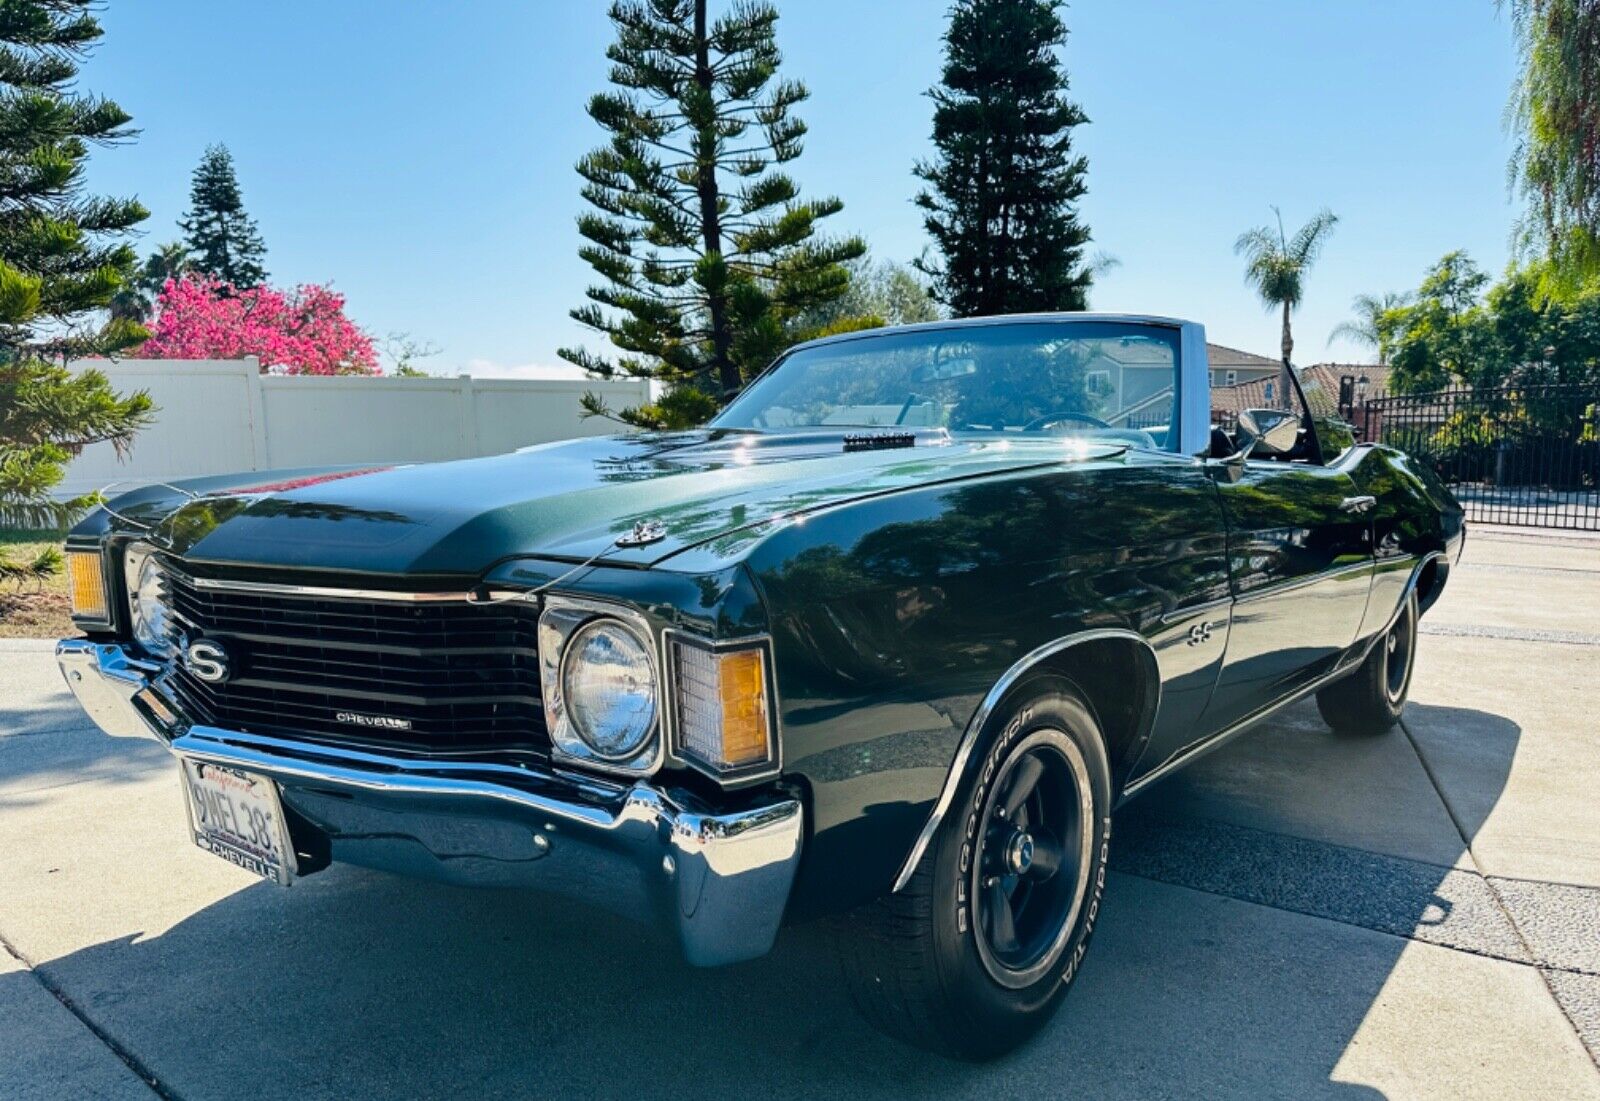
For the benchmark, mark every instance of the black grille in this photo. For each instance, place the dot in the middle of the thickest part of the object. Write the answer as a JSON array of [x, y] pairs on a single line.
[[464, 676]]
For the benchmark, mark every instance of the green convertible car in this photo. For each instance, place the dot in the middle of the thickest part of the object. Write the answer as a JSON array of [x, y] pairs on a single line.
[[890, 639]]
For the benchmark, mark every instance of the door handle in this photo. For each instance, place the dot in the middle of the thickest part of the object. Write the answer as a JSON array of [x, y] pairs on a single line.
[[1357, 504]]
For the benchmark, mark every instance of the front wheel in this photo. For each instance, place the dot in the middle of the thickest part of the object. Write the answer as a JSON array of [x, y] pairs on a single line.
[[974, 954], [1369, 700]]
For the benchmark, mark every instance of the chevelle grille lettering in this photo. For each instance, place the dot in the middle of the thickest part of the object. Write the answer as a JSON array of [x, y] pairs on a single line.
[[383, 722]]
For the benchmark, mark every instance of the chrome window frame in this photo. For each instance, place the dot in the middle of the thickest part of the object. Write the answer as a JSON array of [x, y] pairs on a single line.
[[1190, 431]]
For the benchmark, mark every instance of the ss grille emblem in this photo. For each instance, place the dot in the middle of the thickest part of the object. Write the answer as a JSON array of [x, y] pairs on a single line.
[[1200, 632], [207, 661]]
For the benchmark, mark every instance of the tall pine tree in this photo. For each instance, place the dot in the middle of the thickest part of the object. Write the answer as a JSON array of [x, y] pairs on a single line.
[[708, 255], [222, 239], [63, 257], [62, 254], [1002, 201]]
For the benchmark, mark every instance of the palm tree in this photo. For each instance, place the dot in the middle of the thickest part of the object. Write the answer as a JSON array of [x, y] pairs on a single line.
[[1368, 328], [1276, 266], [137, 297]]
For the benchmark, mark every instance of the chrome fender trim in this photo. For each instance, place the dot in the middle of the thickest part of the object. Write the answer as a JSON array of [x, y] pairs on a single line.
[[980, 718], [1411, 586]]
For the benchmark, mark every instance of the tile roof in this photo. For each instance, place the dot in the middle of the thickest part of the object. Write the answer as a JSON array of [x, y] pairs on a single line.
[[1320, 382], [1228, 402], [1222, 356], [1327, 375]]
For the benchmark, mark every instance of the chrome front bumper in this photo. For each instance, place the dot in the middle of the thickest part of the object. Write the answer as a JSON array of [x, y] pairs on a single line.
[[720, 880]]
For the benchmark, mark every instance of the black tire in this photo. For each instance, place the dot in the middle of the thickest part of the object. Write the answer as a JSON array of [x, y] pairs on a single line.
[[932, 964], [1369, 700]]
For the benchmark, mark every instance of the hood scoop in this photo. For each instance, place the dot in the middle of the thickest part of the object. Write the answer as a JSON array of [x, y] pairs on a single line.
[[879, 441]]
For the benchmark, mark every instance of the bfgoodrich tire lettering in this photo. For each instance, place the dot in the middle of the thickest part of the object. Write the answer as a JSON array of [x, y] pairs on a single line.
[[931, 965]]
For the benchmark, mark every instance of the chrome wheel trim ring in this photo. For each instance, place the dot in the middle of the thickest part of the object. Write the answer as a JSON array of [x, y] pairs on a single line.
[[1064, 747]]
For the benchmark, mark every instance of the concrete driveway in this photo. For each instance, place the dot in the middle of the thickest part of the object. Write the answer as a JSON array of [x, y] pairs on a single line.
[[1299, 915]]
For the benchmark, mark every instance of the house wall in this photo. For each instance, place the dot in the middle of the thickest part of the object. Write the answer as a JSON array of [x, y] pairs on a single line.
[[1243, 374], [222, 416]]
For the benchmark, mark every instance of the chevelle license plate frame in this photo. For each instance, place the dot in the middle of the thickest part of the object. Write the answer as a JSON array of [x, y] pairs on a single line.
[[238, 816]]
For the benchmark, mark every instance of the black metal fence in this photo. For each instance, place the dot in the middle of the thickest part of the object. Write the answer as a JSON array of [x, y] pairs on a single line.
[[1521, 455]]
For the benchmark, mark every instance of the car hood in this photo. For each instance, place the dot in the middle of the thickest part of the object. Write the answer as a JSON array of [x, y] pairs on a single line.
[[569, 501]]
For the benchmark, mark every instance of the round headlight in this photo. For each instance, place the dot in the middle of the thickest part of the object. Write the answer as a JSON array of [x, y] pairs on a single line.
[[147, 602], [608, 685]]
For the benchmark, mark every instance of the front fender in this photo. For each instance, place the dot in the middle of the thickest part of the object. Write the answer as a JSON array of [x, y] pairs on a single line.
[[894, 619]]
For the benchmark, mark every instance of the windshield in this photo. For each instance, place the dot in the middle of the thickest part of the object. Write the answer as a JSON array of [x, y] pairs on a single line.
[[1082, 378]]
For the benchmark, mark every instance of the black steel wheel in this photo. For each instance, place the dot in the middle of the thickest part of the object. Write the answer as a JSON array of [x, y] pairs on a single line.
[[1370, 699], [1031, 874], [978, 948], [1397, 647]]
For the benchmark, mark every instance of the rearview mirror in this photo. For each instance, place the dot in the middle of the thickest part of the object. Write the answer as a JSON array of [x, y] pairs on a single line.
[[1269, 432]]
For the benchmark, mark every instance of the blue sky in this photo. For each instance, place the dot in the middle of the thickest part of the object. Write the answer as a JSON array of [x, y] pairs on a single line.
[[419, 154]]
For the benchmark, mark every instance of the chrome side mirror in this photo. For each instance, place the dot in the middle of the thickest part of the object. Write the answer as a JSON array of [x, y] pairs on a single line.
[[1268, 432]]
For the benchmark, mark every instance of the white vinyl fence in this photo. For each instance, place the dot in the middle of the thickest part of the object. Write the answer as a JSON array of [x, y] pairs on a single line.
[[221, 416]]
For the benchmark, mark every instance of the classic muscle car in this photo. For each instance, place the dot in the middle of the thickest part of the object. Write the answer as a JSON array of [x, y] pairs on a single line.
[[890, 638]]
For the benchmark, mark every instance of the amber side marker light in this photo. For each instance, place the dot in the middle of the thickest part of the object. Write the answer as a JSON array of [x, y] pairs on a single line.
[[86, 583], [724, 718]]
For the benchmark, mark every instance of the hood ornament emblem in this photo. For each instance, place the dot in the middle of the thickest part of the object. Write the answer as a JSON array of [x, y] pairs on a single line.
[[643, 534]]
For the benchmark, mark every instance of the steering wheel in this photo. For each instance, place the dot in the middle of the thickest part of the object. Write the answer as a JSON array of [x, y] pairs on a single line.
[[1063, 415]]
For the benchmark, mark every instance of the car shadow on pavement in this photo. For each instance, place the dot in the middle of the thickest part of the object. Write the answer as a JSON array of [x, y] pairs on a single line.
[[1223, 965], [48, 745]]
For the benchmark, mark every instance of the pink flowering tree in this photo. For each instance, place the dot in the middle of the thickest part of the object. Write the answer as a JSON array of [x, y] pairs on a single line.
[[301, 332]]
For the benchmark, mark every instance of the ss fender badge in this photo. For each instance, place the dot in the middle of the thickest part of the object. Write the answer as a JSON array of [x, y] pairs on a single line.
[[374, 722], [1200, 632]]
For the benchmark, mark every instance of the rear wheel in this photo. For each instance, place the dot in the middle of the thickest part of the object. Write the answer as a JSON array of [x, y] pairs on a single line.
[[1369, 700], [976, 952]]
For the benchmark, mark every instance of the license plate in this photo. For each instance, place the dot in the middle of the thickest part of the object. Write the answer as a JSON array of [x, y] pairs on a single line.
[[237, 816]]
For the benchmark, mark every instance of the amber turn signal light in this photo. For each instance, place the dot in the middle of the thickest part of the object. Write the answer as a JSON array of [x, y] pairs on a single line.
[[86, 582], [724, 716]]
